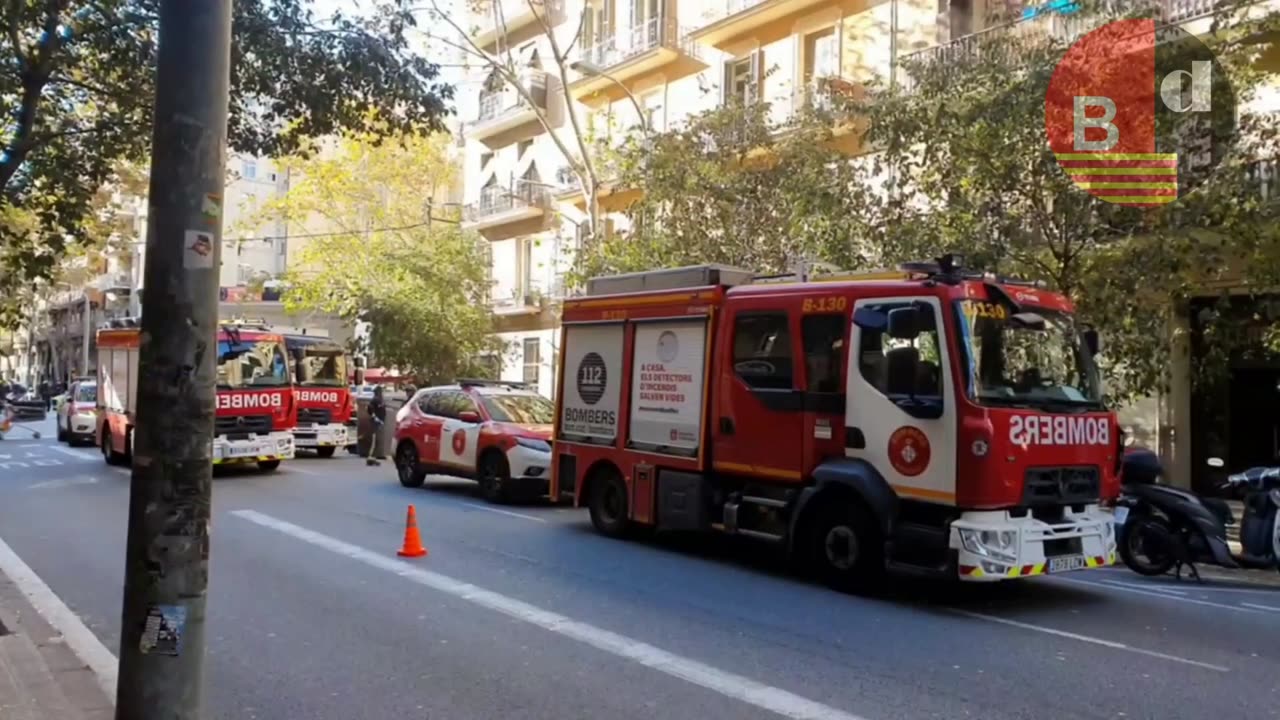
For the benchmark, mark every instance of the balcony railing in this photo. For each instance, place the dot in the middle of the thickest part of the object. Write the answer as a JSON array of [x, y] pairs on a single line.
[[496, 200], [498, 104], [728, 8], [637, 40], [1061, 24]]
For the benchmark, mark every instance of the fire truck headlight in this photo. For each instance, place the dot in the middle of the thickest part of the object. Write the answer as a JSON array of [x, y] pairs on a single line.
[[989, 543], [283, 443]]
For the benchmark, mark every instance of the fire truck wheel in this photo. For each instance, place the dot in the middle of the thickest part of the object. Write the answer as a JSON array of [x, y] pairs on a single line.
[[410, 471], [845, 547], [608, 504], [62, 434], [109, 453], [268, 465], [325, 452], [493, 473]]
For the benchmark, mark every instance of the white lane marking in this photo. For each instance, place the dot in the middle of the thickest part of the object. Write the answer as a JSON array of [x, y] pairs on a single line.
[[730, 685], [31, 445], [65, 482], [82, 454], [304, 471], [1153, 593], [1153, 587], [79, 638], [478, 506], [1088, 639], [1270, 608]]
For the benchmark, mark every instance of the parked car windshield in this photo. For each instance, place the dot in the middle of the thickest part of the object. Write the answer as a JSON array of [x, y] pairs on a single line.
[[87, 394], [520, 409]]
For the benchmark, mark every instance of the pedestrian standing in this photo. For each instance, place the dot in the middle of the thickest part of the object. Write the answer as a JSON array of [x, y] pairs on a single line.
[[377, 415], [46, 394]]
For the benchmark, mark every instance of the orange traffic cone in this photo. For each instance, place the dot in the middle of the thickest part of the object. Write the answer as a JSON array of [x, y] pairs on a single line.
[[412, 541]]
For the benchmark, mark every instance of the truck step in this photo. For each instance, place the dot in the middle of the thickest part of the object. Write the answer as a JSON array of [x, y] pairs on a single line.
[[766, 502], [768, 537]]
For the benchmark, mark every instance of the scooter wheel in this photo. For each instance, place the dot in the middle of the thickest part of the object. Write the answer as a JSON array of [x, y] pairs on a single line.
[[1145, 545]]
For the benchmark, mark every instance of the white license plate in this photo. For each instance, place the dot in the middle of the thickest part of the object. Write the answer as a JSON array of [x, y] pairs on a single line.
[[1066, 563], [1121, 514], [241, 451]]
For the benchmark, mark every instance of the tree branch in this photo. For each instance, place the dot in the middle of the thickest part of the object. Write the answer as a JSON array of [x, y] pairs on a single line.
[[35, 76]]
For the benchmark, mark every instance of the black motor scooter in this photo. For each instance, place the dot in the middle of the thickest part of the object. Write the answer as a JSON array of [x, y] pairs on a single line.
[[1159, 528]]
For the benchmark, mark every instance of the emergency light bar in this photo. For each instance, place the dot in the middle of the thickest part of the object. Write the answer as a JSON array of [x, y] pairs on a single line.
[[476, 382]]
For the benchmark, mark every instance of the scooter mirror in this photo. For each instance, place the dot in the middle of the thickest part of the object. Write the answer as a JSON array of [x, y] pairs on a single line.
[[1216, 462]]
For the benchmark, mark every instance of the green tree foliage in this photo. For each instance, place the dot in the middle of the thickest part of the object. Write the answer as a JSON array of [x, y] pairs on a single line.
[[77, 86], [736, 186], [380, 252], [963, 139]]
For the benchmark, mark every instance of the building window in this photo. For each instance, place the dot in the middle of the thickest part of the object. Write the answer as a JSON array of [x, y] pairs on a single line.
[[249, 169], [742, 78], [532, 360]]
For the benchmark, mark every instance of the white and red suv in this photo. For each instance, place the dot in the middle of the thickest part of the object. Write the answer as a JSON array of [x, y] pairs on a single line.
[[497, 433]]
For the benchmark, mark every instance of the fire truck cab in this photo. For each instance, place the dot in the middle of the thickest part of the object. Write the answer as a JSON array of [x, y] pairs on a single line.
[[326, 409], [928, 420]]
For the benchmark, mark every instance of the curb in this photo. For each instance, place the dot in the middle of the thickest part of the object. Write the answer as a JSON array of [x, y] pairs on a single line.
[[64, 623]]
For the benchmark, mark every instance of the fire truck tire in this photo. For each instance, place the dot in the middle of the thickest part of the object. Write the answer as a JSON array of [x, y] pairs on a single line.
[[608, 503], [846, 547], [325, 452], [410, 471], [62, 434], [268, 465], [493, 473]]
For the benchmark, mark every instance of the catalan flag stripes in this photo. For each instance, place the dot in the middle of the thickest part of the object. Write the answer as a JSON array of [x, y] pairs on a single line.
[[1142, 179]]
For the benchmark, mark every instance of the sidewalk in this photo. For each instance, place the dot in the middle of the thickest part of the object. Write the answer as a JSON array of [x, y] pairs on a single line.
[[40, 677]]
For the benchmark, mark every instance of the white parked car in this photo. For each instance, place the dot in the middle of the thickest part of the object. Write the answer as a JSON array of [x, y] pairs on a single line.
[[78, 415]]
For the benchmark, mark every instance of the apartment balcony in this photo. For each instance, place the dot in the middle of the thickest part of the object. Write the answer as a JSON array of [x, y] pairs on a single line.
[[654, 48], [515, 20], [503, 212], [521, 301], [1059, 21], [507, 116], [726, 23], [612, 195]]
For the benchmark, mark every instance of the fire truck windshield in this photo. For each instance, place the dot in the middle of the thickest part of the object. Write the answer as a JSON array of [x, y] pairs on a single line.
[[1033, 359], [322, 367], [251, 364]]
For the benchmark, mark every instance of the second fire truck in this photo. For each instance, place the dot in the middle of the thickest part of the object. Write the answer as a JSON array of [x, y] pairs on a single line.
[[326, 409], [932, 421]]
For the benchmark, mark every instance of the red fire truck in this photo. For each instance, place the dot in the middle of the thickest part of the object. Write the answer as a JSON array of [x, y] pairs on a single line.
[[930, 420], [256, 410], [326, 410]]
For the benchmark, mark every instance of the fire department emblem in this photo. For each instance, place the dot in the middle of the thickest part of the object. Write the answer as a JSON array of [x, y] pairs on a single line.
[[459, 441], [909, 450]]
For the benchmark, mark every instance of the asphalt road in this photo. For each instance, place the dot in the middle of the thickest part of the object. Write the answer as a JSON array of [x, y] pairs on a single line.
[[525, 613]]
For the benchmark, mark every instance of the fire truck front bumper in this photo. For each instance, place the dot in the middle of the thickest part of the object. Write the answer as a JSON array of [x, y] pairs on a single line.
[[316, 436], [997, 545], [258, 448]]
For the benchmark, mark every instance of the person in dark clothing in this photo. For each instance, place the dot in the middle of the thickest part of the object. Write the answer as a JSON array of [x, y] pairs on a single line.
[[46, 394], [377, 415]]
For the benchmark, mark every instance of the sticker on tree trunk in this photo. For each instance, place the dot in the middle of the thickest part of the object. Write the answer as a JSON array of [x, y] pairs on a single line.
[[162, 634]]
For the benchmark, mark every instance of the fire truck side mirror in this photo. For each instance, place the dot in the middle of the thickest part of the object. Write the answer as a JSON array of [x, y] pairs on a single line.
[[904, 323], [1092, 340]]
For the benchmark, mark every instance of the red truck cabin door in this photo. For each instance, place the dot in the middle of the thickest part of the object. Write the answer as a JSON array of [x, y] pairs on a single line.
[[902, 413], [757, 421]]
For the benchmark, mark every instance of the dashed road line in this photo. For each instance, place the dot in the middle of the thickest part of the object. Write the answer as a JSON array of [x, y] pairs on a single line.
[[1269, 608], [730, 685], [81, 454], [1089, 639]]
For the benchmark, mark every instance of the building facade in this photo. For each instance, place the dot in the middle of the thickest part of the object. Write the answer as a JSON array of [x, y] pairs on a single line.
[[647, 65]]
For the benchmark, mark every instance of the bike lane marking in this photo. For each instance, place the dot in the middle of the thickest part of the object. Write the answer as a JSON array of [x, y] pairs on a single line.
[[1162, 595]]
